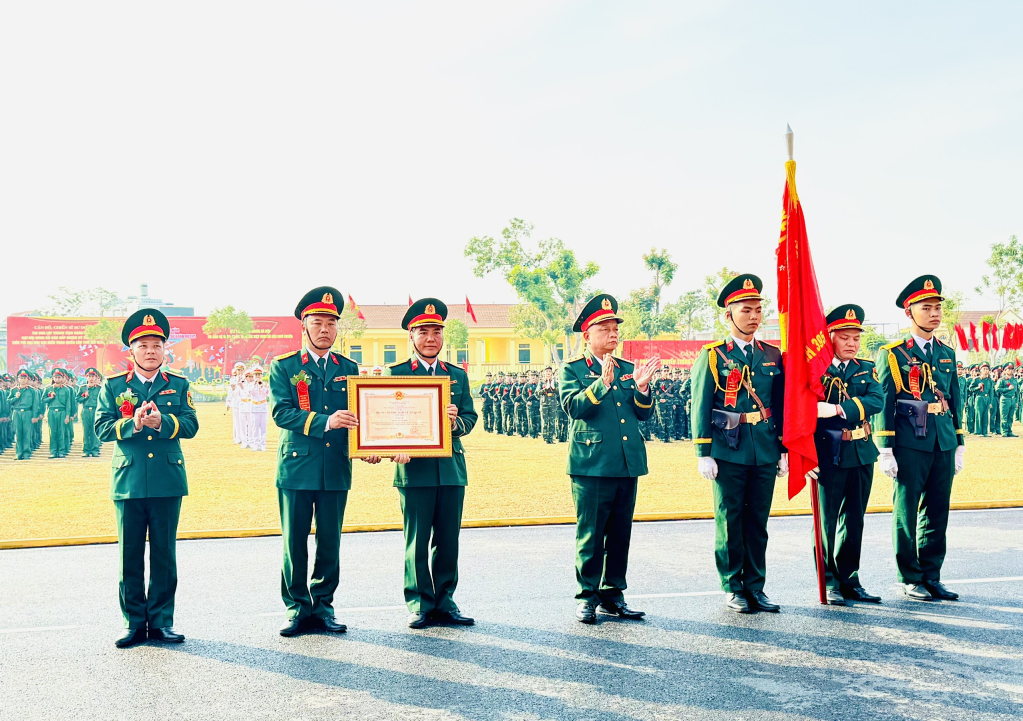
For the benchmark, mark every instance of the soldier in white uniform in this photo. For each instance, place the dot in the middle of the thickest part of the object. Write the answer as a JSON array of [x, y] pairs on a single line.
[[234, 401], [245, 396], [259, 393]]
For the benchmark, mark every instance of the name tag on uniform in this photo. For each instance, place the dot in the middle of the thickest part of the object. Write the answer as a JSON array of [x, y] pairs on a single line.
[[768, 364], [593, 375], [860, 373], [339, 379], [169, 390], [453, 381], [626, 377], [945, 360]]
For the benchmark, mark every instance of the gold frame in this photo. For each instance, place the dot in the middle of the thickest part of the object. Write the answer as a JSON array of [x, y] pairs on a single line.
[[443, 385]]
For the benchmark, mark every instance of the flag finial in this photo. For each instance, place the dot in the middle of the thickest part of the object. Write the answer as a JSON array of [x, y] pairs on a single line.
[[789, 135]]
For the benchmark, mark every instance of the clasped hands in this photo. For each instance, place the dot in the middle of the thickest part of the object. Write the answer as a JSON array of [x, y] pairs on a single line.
[[148, 415]]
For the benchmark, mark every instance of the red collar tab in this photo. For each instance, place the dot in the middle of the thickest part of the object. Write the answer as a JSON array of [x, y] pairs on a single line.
[[164, 374], [334, 358], [415, 364], [305, 357], [730, 346], [760, 345], [442, 366], [131, 374], [589, 361], [909, 343]]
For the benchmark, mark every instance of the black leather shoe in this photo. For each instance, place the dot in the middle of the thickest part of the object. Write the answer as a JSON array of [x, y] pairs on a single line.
[[620, 609], [165, 635], [131, 637], [938, 590], [586, 612], [858, 593], [452, 618], [835, 598], [329, 623], [738, 603], [293, 627], [759, 601], [917, 592], [418, 620]]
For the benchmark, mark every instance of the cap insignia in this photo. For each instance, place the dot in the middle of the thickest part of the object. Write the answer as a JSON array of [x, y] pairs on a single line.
[[747, 284], [606, 304], [149, 320], [328, 298], [430, 309], [928, 285], [850, 314]]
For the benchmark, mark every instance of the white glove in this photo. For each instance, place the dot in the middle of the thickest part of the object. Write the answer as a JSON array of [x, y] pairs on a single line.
[[889, 466], [783, 465], [826, 410], [812, 474], [960, 459], [708, 468]]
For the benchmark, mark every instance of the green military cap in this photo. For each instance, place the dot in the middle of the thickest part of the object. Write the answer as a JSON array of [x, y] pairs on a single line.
[[845, 317], [323, 300], [500, 374], [923, 288], [598, 309], [959, 363], [741, 287], [425, 311], [56, 372], [985, 364], [548, 368], [489, 374], [24, 373], [144, 322], [92, 371]]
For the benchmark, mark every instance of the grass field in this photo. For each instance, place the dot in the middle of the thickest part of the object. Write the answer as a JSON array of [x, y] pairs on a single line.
[[508, 478]]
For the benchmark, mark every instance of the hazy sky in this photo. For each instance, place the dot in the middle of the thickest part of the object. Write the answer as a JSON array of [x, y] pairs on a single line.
[[243, 152]]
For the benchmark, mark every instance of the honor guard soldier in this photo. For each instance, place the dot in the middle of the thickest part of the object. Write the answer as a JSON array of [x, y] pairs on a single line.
[[1007, 394], [259, 395], [548, 404], [5, 413], [432, 490], [664, 390], [921, 440], [738, 396], [982, 391], [846, 454], [309, 403], [57, 399], [488, 403], [605, 397], [25, 409], [147, 411], [88, 397], [508, 404], [533, 404], [497, 395]]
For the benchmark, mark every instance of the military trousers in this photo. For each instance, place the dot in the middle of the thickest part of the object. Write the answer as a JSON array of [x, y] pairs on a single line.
[[604, 508], [59, 437], [681, 422], [922, 493], [157, 518], [742, 505], [665, 420], [90, 441], [488, 416], [24, 430], [549, 416], [843, 498], [1007, 414], [432, 521], [534, 420], [305, 597], [981, 411], [971, 416], [508, 410]]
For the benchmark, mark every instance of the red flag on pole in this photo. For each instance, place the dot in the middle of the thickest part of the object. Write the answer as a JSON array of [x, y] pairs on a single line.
[[469, 311], [973, 337], [964, 344], [410, 301], [355, 306], [1007, 336], [985, 329], [994, 335]]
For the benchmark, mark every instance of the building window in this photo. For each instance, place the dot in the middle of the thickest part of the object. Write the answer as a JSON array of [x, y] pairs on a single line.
[[357, 354], [524, 353], [390, 354], [463, 356], [560, 349]]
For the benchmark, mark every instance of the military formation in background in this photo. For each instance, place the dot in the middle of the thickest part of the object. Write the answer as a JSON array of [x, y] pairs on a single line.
[[991, 398], [248, 399]]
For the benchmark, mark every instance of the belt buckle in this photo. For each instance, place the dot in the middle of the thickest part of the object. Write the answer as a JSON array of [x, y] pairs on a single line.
[[754, 418], [858, 434], [934, 408]]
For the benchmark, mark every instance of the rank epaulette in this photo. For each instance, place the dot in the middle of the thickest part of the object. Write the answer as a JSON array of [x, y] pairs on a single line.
[[395, 365], [715, 344], [117, 375], [286, 355], [171, 371], [335, 355], [576, 358], [892, 345]]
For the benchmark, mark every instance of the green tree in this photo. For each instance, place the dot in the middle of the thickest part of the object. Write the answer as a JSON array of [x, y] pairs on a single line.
[[456, 335], [870, 343], [712, 285], [103, 333], [70, 302], [349, 327], [230, 324], [664, 272], [641, 318], [1005, 281], [691, 314], [549, 279]]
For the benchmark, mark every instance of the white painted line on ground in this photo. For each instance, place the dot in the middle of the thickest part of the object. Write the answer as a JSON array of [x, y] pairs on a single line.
[[988, 580], [675, 595], [345, 610], [40, 628]]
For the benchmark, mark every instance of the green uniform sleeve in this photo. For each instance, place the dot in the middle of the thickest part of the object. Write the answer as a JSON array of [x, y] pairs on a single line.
[[702, 387], [861, 408], [954, 403], [579, 400], [183, 425], [467, 415], [884, 420], [284, 411]]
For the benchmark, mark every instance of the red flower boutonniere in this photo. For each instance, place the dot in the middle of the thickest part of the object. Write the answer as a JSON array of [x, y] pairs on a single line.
[[126, 402], [301, 383]]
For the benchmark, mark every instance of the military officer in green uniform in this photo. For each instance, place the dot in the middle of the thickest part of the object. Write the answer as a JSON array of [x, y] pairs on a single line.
[[71, 383], [982, 390], [309, 403], [995, 413], [508, 404], [147, 412], [963, 381], [432, 490], [488, 403], [5, 412], [37, 383], [88, 397], [57, 399], [1007, 393], [548, 404], [921, 439], [846, 454], [25, 405], [605, 397], [738, 391], [533, 404]]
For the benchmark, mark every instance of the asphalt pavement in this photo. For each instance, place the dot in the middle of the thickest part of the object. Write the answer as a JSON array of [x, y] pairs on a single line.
[[526, 658]]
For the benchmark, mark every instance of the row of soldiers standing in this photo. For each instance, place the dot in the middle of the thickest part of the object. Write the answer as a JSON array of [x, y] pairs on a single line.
[[672, 395], [25, 402], [526, 405], [991, 398]]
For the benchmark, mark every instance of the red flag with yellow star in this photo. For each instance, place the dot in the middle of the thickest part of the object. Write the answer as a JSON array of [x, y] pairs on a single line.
[[355, 306]]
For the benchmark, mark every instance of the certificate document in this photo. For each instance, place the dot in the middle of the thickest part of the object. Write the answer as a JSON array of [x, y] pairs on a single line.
[[400, 414]]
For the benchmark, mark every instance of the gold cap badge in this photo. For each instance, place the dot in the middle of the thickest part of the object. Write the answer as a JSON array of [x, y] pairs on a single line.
[[430, 309], [328, 298], [149, 320], [928, 285], [850, 314], [606, 304], [747, 284]]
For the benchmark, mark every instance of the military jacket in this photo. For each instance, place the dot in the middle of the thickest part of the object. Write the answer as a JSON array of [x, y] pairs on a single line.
[[759, 443], [440, 471], [604, 437], [147, 463], [89, 397], [865, 400], [485, 393], [548, 393], [982, 387], [310, 457], [25, 399], [59, 399], [894, 364], [1006, 388]]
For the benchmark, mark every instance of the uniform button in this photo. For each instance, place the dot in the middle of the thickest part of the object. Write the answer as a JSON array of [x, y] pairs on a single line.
[[150, 455], [754, 405], [294, 453], [168, 402], [614, 388], [342, 387], [587, 441], [328, 445], [149, 438], [179, 461], [324, 407], [619, 404], [625, 438], [623, 420]]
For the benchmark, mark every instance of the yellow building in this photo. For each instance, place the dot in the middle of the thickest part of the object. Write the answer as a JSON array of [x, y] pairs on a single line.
[[493, 344]]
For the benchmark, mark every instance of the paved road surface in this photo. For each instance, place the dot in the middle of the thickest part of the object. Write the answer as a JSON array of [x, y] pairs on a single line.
[[526, 658]]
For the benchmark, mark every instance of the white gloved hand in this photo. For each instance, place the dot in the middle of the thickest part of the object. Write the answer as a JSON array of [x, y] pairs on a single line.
[[813, 474], [960, 459], [783, 465], [826, 410], [708, 468], [889, 466]]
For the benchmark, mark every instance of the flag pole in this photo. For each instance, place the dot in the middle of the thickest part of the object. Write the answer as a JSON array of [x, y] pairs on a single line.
[[815, 502]]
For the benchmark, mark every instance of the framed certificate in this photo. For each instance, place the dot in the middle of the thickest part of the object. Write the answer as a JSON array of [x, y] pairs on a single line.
[[400, 414]]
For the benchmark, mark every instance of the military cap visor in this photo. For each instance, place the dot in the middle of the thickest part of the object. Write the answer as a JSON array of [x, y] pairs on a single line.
[[92, 372], [926, 287], [145, 322], [598, 309], [845, 317], [425, 311], [324, 300], [742, 287]]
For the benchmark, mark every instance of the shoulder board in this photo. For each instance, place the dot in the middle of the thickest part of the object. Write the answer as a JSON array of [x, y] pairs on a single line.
[[865, 362], [622, 360], [575, 358], [892, 345], [117, 375], [715, 344], [342, 356], [174, 373], [286, 355], [395, 365]]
